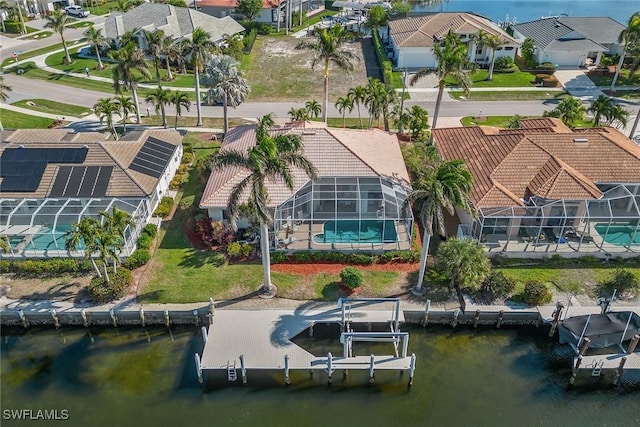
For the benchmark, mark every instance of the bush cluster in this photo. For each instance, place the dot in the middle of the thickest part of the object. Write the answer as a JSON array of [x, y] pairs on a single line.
[[181, 176], [383, 59], [340, 257], [546, 68], [503, 62], [138, 258], [536, 293], [145, 240], [164, 207], [262, 28], [239, 250], [49, 266], [250, 40], [496, 286], [103, 292], [624, 281], [351, 277]]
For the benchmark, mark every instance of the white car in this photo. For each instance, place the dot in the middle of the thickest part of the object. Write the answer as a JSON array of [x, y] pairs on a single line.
[[76, 11]]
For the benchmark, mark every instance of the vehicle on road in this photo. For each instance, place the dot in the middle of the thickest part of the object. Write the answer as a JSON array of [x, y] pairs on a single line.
[[76, 11]]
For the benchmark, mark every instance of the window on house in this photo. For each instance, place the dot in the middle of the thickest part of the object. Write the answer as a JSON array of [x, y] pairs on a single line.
[[479, 51], [508, 48]]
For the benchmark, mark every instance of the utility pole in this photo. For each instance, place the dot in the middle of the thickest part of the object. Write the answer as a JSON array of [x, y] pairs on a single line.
[[404, 88]]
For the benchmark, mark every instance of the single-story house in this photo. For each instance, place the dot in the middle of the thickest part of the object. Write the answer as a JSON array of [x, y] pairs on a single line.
[[571, 41], [51, 179], [356, 204], [545, 189], [411, 39], [269, 12], [176, 22]]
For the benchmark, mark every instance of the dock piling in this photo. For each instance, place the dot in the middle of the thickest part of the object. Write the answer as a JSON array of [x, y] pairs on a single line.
[[212, 306], [427, 308], [142, 320], [54, 315], [619, 371], [196, 318], [287, 380], [198, 367], [500, 316], [412, 368], [371, 369], [556, 318], [85, 321], [167, 321], [633, 344], [456, 314], [574, 372], [114, 320], [23, 319], [243, 369], [311, 330], [330, 367], [204, 334], [584, 346], [476, 319]]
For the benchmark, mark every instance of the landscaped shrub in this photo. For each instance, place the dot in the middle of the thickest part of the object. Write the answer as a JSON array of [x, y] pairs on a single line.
[[187, 157], [503, 62], [177, 182], [550, 82], [383, 59], [144, 241], [278, 257], [351, 277], [302, 256], [546, 68], [138, 258], [234, 250], [164, 207], [221, 234], [150, 230], [540, 77], [624, 281], [250, 40], [186, 202], [496, 286], [44, 267], [103, 292], [536, 293], [509, 70], [364, 259]]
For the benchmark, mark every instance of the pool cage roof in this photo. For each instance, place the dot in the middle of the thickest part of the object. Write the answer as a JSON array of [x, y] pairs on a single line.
[[620, 201], [349, 198]]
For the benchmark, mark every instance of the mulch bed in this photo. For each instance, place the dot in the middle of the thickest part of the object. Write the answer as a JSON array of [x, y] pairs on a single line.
[[316, 268], [188, 228]]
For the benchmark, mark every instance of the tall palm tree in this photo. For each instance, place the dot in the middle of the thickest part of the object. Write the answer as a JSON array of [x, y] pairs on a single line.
[[328, 48], [105, 108], [154, 41], [298, 114], [3, 94], [125, 107], [159, 98], [437, 187], [84, 233], [627, 37], [179, 100], [451, 58], [124, 5], [169, 51], [198, 49], [601, 107], [492, 41], [344, 104], [313, 108], [97, 40], [225, 81], [57, 22], [380, 100], [115, 224], [358, 94], [129, 60], [272, 158], [618, 116]]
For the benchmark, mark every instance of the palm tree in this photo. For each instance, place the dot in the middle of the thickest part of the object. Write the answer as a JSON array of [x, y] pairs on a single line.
[[225, 81], [57, 22], [115, 224], [272, 158], [515, 122], [601, 107], [403, 122], [327, 48], [618, 116], [380, 100], [169, 51], [358, 94], [627, 37], [105, 108], [84, 232], [465, 263], [493, 42], [313, 108], [159, 98], [233, 45], [124, 5], [154, 48], [125, 107], [97, 40], [179, 99], [298, 114], [437, 187], [129, 60], [344, 104], [18, 10], [198, 49], [451, 57], [3, 94], [570, 111]]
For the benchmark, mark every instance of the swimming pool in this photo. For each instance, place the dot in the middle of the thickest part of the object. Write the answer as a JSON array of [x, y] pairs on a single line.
[[618, 235], [355, 231]]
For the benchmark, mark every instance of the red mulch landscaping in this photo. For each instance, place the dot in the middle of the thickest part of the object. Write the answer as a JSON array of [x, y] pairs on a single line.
[[187, 227], [311, 268]]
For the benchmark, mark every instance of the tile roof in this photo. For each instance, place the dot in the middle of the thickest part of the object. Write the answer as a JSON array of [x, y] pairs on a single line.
[[419, 31], [334, 152], [231, 4], [124, 182], [509, 165], [176, 22], [566, 33]]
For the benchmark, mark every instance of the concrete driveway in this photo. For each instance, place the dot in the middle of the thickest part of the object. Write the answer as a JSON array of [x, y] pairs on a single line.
[[576, 82]]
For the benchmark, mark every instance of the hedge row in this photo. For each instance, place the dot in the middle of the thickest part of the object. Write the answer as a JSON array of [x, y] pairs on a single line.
[[49, 266], [383, 59], [164, 207], [344, 258], [250, 40]]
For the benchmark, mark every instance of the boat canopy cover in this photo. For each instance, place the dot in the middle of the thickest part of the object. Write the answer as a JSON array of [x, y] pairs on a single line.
[[603, 330]]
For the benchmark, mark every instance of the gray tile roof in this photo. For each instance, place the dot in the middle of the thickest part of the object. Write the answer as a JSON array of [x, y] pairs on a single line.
[[597, 30], [176, 22]]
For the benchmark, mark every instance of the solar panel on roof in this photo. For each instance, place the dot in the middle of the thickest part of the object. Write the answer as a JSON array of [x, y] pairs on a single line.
[[153, 157], [60, 184], [89, 181], [102, 181], [77, 173]]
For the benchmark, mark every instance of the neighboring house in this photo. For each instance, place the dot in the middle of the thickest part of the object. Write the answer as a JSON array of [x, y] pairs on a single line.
[[50, 179], [355, 205], [269, 12], [546, 189], [571, 42], [411, 39], [176, 22]]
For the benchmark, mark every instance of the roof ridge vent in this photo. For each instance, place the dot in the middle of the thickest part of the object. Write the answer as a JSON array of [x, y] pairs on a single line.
[[308, 132], [580, 140]]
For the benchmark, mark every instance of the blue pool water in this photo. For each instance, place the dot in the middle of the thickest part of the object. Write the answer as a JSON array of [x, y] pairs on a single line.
[[618, 235], [354, 231]]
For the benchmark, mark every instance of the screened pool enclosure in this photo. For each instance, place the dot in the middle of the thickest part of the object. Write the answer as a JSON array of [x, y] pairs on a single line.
[[609, 225], [359, 213], [36, 227]]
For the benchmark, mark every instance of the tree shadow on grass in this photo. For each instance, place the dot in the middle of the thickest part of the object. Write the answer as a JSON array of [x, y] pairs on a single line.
[[236, 300], [331, 291], [197, 259]]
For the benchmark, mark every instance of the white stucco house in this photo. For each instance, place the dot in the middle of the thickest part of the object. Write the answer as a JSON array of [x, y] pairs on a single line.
[[571, 41], [411, 39]]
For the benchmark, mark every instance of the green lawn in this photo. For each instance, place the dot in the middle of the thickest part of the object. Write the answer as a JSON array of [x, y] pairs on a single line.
[[626, 94], [623, 79], [187, 121], [517, 79], [80, 24], [52, 107], [32, 53], [40, 35], [15, 120], [508, 95], [503, 121], [103, 9]]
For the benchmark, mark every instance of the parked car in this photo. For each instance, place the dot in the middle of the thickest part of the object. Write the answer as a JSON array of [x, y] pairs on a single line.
[[76, 11]]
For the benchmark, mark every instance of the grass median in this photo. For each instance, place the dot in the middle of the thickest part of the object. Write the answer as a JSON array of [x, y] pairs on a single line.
[[518, 95], [53, 107], [15, 120]]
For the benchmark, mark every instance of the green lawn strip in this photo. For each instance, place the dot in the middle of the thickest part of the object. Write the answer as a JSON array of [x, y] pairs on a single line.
[[14, 120], [53, 107], [80, 24], [517, 79], [350, 122], [518, 95], [498, 121], [623, 79], [40, 35], [103, 9], [33, 72], [30, 54], [626, 94], [188, 121]]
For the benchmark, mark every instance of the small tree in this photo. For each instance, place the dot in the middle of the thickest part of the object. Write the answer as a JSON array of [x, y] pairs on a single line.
[[419, 121], [570, 111], [536, 293], [351, 277], [377, 17], [313, 108], [496, 286], [249, 8], [624, 281], [344, 104], [528, 49]]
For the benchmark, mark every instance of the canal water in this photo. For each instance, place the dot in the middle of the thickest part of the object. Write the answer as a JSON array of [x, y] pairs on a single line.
[[146, 377], [530, 10]]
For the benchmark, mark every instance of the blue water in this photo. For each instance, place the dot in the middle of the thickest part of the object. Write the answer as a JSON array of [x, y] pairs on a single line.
[[530, 10], [347, 231]]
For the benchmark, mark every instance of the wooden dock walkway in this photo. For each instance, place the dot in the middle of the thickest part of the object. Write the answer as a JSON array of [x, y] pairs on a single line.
[[609, 361]]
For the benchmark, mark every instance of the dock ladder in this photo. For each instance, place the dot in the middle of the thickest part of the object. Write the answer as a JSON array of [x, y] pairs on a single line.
[[232, 374], [597, 368]]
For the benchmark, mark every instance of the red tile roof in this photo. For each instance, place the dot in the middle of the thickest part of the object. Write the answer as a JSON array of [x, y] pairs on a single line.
[[543, 158]]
